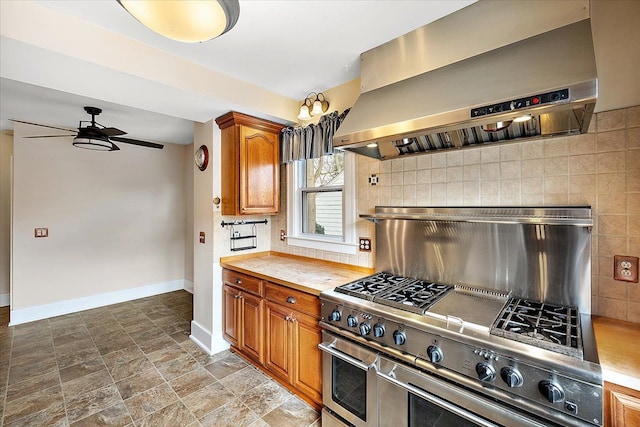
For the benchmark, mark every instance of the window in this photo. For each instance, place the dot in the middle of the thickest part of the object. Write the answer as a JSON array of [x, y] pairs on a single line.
[[321, 203]]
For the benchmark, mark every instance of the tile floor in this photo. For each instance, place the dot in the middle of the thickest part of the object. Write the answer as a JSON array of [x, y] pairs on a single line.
[[133, 364]]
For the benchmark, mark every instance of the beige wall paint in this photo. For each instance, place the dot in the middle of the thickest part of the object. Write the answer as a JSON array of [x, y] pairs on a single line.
[[6, 151], [116, 220]]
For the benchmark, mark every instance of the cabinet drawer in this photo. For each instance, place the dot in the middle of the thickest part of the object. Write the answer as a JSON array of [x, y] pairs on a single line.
[[295, 299], [247, 283]]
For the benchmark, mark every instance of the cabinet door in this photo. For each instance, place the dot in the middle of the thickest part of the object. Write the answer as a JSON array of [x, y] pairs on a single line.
[[251, 331], [230, 314], [307, 375], [259, 171], [278, 357], [622, 406]]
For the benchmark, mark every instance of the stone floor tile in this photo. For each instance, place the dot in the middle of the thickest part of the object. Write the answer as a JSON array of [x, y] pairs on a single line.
[[224, 367], [84, 405], [81, 369], [24, 372], [233, 413], [150, 401], [32, 404], [113, 416], [148, 335], [192, 381], [32, 385], [293, 413], [139, 383], [75, 356], [265, 397], [173, 415], [120, 371], [86, 383], [156, 344], [207, 399], [71, 337], [178, 367], [122, 356], [166, 354], [53, 416]]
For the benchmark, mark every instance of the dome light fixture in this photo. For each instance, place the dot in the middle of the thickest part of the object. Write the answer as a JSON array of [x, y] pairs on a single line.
[[315, 104], [95, 142], [189, 21]]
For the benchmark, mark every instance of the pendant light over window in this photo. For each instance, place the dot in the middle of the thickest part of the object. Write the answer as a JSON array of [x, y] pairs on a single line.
[[189, 21], [315, 104]]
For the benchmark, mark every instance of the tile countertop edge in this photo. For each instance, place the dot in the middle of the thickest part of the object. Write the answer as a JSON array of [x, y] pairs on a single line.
[[618, 345], [247, 264]]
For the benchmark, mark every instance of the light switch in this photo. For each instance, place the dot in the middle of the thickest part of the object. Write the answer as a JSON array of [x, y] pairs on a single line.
[[202, 237]]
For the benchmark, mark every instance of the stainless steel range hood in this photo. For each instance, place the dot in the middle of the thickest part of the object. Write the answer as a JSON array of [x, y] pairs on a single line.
[[550, 78]]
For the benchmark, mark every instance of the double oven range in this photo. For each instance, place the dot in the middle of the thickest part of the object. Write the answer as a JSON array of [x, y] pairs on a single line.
[[478, 316]]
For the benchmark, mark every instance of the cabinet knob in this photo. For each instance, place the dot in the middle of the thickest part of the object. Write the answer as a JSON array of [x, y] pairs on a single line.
[[239, 281], [291, 300], [287, 318]]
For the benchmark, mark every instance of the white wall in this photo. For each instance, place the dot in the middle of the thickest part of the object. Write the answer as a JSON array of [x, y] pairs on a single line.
[[6, 151], [116, 219]]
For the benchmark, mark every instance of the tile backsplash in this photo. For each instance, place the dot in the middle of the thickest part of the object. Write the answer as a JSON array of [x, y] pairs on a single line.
[[600, 168]]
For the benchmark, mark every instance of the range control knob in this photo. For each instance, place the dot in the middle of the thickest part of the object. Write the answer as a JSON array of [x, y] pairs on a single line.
[[511, 376], [485, 372], [399, 337], [552, 391], [335, 316], [435, 354], [352, 321], [364, 329], [378, 330]]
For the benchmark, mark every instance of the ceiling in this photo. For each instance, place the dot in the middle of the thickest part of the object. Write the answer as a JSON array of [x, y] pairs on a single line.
[[279, 49]]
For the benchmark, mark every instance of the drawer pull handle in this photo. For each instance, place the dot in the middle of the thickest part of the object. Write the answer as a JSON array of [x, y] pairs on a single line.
[[291, 300], [239, 281]]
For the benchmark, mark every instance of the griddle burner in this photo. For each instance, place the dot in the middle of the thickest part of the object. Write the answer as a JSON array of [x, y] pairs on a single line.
[[549, 326]]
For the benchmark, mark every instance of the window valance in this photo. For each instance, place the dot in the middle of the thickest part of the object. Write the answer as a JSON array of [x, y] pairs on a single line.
[[312, 141]]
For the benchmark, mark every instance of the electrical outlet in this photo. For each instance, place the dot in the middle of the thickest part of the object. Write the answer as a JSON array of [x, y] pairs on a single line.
[[283, 235], [625, 268], [365, 244]]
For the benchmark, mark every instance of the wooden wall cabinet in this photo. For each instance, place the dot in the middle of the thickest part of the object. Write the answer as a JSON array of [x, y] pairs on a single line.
[[621, 406], [290, 336], [250, 165], [243, 308]]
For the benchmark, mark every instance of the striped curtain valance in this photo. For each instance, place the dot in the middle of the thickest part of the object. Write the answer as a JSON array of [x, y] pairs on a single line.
[[312, 141]]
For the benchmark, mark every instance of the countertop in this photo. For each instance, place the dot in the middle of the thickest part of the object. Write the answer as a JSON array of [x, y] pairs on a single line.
[[304, 274], [618, 345]]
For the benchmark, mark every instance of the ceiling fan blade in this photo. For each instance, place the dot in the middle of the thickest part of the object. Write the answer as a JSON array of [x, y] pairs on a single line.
[[48, 136], [112, 131], [137, 142], [44, 126]]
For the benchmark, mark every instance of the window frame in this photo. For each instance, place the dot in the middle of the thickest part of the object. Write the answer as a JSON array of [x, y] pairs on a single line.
[[346, 244]]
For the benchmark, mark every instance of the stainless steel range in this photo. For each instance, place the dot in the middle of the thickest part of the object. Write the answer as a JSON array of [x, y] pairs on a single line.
[[478, 316]]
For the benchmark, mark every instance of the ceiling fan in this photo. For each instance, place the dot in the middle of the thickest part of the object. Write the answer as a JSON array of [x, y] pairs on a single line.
[[93, 135]]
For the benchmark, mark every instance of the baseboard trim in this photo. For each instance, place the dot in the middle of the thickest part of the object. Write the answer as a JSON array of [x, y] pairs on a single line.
[[5, 300], [188, 286], [207, 341], [46, 311]]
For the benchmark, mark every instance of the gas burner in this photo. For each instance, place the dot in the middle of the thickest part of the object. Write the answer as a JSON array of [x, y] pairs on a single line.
[[549, 326], [371, 286], [416, 296]]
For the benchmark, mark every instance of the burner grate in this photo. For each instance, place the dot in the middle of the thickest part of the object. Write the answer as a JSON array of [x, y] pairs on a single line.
[[416, 296], [408, 294], [549, 326]]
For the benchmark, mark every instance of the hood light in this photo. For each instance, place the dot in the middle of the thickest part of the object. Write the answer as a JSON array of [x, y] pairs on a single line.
[[372, 145], [185, 21], [523, 118]]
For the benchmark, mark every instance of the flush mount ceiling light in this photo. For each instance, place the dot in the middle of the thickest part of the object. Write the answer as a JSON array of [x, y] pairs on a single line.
[[315, 104], [189, 21]]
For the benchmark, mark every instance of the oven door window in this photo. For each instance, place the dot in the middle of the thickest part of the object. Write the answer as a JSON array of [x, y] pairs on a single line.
[[426, 414], [349, 387]]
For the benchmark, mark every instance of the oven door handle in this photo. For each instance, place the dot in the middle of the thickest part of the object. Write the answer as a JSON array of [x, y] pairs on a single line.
[[340, 355], [437, 401]]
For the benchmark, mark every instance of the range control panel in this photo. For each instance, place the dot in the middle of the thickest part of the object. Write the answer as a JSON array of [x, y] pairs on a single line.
[[545, 98]]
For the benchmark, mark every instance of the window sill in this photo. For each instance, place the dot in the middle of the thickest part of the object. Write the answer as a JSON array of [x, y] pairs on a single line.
[[340, 247]]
